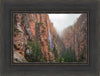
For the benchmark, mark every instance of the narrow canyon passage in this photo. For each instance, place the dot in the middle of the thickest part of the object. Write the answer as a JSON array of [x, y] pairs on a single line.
[[38, 39]]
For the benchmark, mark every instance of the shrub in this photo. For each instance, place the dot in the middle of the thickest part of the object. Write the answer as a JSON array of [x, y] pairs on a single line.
[[57, 60], [68, 55], [55, 52], [39, 23], [61, 59], [36, 54]]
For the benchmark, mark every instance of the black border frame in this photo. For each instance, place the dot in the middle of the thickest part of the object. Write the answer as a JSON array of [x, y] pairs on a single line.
[[93, 69]]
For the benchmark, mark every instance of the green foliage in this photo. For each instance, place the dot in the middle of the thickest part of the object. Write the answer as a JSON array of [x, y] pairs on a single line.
[[61, 59], [16, 30], [42, 31], [39, 23], [36, 54], [55, 52], [43, 59], [57, 60], [68, 55]]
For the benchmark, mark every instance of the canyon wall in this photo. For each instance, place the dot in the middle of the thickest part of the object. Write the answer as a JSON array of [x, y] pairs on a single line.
[[31, 28], [75, 36]]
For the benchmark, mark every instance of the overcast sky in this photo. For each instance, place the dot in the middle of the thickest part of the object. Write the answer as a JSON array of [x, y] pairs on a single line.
[[61, 21]]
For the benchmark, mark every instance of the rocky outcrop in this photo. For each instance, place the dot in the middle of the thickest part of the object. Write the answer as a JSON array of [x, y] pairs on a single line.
[[18, 58], [20, 40]]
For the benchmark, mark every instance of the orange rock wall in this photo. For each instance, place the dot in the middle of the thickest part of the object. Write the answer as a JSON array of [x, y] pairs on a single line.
[[76, 36]]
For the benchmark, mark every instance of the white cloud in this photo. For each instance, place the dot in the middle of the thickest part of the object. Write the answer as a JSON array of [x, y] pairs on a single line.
[[61, 21]]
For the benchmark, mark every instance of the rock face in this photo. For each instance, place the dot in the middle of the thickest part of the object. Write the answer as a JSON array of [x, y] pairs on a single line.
[[33, 27], [76, 37], [18, 58], [81, 36], [20, 40], [57, 42], [42, 34], [68, 37]]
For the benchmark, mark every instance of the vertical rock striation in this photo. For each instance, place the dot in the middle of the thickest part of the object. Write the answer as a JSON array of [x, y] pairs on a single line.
[[76, 37], [33, 27]]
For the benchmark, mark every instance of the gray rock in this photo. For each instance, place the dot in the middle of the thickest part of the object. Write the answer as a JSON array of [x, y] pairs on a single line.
[[18, 58]]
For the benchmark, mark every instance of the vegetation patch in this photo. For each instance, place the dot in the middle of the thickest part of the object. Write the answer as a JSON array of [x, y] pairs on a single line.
[[68, 55], [16, 29], [39, 23], [36, 54]]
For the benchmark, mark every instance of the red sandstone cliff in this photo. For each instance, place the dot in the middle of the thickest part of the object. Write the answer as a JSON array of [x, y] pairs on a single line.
[[33, 27], [75, 36]]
